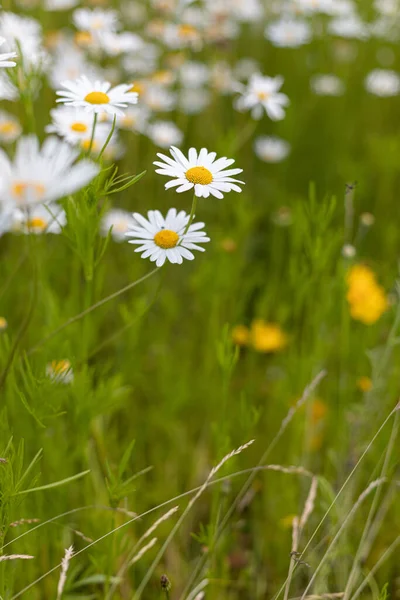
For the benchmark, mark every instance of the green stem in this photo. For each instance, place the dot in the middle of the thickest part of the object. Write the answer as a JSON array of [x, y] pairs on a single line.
[[93, 132], [192, 214], [108, 139]]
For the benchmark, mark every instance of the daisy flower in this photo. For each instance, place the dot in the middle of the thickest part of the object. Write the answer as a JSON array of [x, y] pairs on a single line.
[[60, 371], [271, 149], [263, 93], [199, 171], [97, 97], [49, 218], [288, 33], [162, 239], [75, 125], [5, 58], [10, 128], [383, 82], [95, 20], [41, 175]]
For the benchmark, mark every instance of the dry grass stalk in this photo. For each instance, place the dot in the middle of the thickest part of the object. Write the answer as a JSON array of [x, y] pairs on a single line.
[[64, 569], [298, 526], [143, 550], [321, 596], [309, 505], [15, 556], [24, 522], [194, 594], [215, 469], [163, 518], [372, 486]]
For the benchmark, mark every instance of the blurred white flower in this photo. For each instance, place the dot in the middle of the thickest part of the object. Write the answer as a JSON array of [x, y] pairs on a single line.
[[95, 20], [262, 93], [199, 171], [73, 124], [24, 36], [162, 239], [6, 221], [271, 149], [165, 134], [8, 91], [115, 44], [97, 96], [135, 118], [41, 175], [159, 99], [69, 63], [194, 101], [182, 35], [329, 7], [42, 218], [60, 371], [288, 33], [10, 128], [389, 8], [60, 4], [120, 221], [142, 63], [327, 85], [5, 57], [383, 82], [349, 26], [194, 74]]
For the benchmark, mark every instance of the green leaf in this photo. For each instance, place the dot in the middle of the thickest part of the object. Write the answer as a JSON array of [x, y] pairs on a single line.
[[53, 485]]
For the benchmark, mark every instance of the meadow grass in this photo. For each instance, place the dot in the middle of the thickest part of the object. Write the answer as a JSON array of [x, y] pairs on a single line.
[[172, 454]]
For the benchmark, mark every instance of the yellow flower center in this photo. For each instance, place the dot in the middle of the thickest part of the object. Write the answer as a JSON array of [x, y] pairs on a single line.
[[163, 77], [83, 38], [22, 188], [86, 145], [199, 175], [127, 121], [97, 98], [137, 87], [79, 127], [60, 366], [7, 127], [36, 223], [166, 239], [186, 30], [263, 96]]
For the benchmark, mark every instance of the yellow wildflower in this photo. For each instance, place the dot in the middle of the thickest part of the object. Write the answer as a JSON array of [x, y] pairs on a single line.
[[364, 384], [3, 324], [367, 299], [267, 337]]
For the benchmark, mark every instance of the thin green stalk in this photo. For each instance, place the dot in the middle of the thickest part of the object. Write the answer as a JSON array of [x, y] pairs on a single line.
[[92, 135], [108, 138], [308, 391], [90, 309], [332, 504], [192, 214], [355, 570], [375, 568]]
